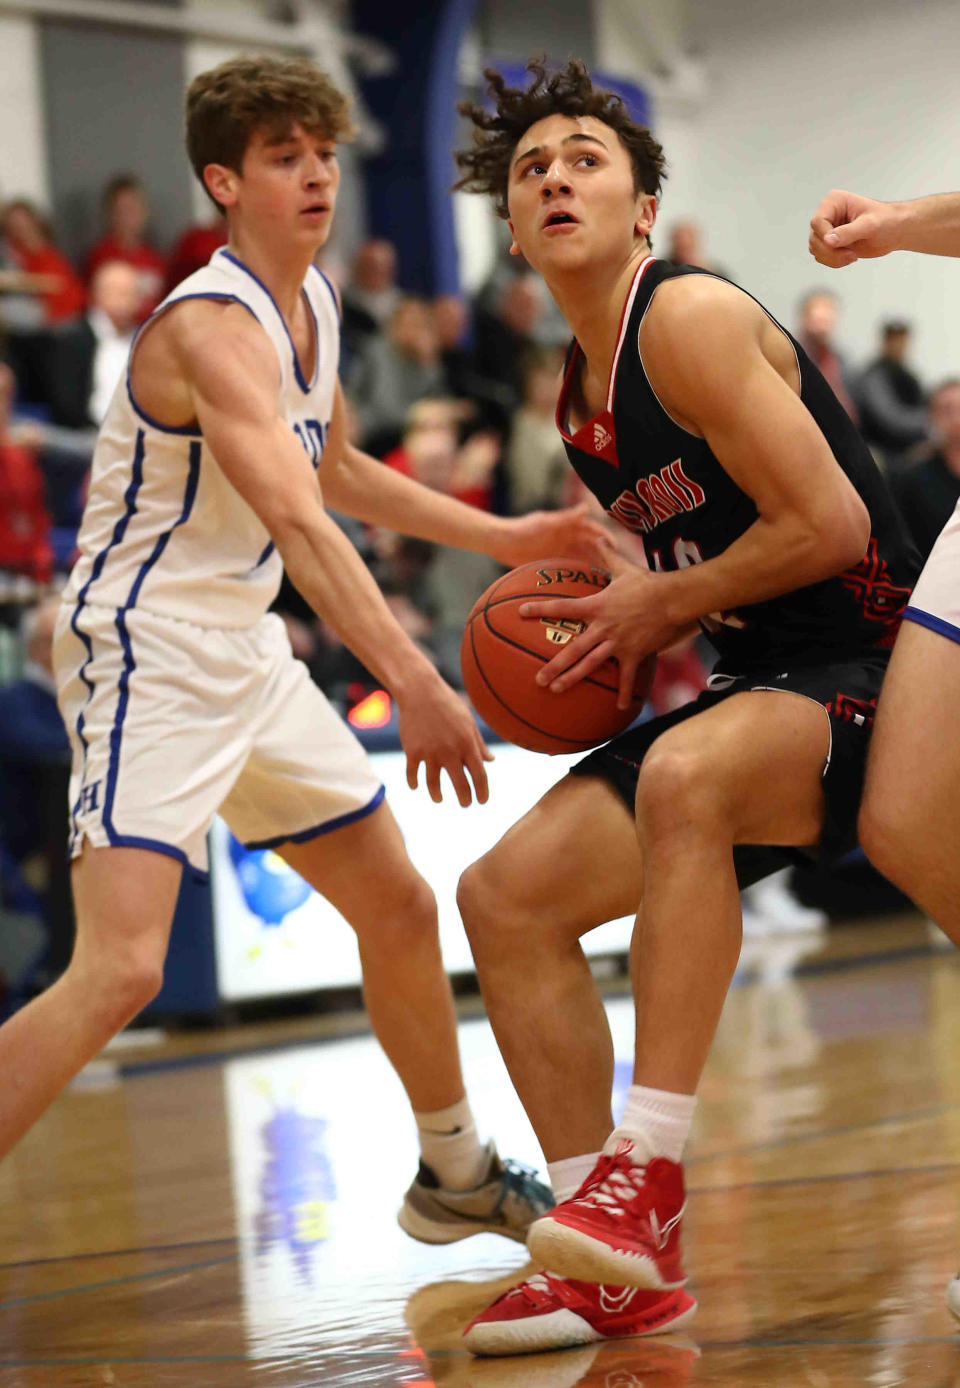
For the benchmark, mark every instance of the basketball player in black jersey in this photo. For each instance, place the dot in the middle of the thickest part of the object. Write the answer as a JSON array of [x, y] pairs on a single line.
[[701, 426]]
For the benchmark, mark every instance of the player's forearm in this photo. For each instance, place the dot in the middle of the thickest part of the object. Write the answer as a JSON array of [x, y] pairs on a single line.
[[770, 558], [324, 566], [364, 488], [930, 225]]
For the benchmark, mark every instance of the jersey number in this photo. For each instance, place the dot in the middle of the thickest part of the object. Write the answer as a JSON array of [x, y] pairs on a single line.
[[685, 553]]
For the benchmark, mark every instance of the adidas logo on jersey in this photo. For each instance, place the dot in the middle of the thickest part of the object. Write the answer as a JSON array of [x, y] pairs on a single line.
[[600, 438]]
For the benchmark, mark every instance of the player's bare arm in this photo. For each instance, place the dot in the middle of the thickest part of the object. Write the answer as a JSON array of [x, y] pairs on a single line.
[[360, 486], [227, 366], [848, 226], [724, 372]]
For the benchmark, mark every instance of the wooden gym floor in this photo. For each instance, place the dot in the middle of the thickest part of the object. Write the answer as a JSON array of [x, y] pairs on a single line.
[[220, 1210]]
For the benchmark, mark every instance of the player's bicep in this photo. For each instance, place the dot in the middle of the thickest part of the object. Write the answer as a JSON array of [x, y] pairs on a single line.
[[768, 442], [774, 450], [709, 369], [235, 390], [335, 452]]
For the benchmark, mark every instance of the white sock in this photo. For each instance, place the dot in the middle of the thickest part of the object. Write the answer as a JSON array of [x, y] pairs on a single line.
[[450, 1146], [656, 1121], [569, 1175]]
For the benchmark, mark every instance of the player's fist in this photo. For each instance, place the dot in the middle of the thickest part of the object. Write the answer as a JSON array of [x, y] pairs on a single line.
[[848, 227]]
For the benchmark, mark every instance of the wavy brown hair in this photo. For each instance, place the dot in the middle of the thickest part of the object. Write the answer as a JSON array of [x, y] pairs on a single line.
[[228, 104], [485, 168]]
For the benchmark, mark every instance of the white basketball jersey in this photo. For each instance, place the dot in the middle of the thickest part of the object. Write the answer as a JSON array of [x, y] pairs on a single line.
[[163, 529]]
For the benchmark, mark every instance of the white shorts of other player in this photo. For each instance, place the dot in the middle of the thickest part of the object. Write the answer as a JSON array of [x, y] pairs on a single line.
[[936, 598], [171, 723]]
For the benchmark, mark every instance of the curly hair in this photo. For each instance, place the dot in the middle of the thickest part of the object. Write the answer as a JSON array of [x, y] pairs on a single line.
[[568, 92], [228, 104]]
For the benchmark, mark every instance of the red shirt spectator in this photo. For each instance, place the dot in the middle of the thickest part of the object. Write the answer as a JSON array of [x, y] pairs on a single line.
[[472, 493], [149, 264], [429, 453], [194, 249], [818, 322], [31, 248], [24, 519], [127, 213]]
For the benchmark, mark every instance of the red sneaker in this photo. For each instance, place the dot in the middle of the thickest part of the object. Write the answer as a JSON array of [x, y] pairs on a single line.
[[548, 1312], [622, 1226]]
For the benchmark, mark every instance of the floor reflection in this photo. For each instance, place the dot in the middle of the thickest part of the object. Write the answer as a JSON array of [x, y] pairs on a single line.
[[234, 1223]]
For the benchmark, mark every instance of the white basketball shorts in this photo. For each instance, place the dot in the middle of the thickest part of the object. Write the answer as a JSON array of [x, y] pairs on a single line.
[[171, 723], [935, 602]]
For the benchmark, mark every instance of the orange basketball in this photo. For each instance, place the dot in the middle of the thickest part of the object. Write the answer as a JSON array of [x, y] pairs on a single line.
[[502, 652]]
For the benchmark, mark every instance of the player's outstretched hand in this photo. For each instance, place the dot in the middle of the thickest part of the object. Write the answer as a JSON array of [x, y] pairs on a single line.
[[437, 729], [625, 621], [848, 227], [573, 532]]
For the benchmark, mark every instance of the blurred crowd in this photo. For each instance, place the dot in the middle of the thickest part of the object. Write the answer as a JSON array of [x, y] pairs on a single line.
[[456, 392]]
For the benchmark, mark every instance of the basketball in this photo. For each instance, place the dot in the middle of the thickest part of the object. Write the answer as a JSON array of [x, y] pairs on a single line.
[[501, 653]]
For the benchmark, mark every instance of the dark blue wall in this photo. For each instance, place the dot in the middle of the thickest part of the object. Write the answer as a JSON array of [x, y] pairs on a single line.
[[408, 185]]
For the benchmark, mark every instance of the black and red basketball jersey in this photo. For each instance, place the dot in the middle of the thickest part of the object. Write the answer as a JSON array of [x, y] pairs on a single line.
[[666, 485]]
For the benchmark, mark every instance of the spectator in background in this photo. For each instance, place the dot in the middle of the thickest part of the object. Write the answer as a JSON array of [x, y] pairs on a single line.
[[24, 520], [506, 332], [928, 493], [431, 453], [452, 320], [392, 371], [443, 591], [34, 784], [451, 323], [89, 359], [30, 319], [818, 325], [370, 298], [893, 413], [685, 247], [194, 248], [31, 728], [126, 214], [536, 465], [31, 247]]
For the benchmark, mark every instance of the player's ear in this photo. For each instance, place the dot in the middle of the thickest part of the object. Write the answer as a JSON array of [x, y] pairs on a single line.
[[514, 248], [646, 214], [221, 183]]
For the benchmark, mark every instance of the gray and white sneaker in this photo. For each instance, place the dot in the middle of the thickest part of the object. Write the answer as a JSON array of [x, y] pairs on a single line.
[[507, 1201]]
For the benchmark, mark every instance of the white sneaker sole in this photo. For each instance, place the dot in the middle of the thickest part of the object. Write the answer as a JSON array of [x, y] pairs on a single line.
[[569, 1253], [426, 1230], [558, 1330]]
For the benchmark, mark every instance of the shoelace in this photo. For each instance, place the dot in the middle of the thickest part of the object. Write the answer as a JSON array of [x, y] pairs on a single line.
[[519, 1180], [615, 1182], [540, 1281], [541, 1284], [537, 1285]]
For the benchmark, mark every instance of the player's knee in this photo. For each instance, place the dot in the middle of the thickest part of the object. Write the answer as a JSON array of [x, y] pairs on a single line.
[[475, 898], [404, 915], [480, 897], [883, 839], [418, 906], [674, 789], [138, 980], [122, 986]]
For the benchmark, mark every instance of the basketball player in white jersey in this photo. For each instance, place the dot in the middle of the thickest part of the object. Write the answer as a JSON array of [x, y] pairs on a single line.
[[908, 820], [181, 695]]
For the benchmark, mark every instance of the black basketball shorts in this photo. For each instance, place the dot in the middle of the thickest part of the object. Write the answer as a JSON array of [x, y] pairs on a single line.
[[848, 692]]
